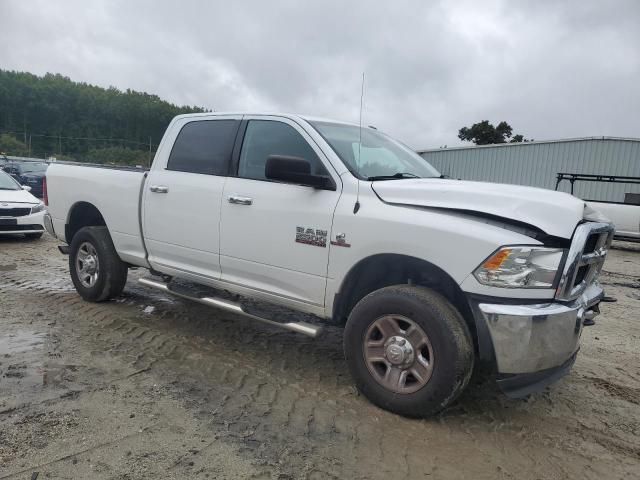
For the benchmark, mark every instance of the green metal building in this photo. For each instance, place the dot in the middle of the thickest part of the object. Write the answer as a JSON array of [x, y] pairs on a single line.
[[538, 163]]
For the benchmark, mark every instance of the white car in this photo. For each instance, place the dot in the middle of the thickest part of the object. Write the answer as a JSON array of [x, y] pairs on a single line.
[[428, 275], [20, 212]]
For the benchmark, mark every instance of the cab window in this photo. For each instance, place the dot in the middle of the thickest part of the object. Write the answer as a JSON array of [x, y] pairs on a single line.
[[267, 137], [204, 146]]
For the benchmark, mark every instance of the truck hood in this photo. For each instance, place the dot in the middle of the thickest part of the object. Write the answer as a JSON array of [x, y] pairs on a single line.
[[16, 196], [555, 213]]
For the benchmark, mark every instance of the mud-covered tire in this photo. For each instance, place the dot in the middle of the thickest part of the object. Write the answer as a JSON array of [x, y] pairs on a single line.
[[449, 339], [33, 236], [111, 275]]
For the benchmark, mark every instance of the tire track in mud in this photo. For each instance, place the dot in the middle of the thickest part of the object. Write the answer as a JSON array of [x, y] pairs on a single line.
[[623, 392], [286, 414], [287, 400], [285, 417]]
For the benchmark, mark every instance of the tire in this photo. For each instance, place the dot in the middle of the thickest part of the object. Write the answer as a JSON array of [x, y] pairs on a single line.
[[33, 236], [108, 279], [442, 362]]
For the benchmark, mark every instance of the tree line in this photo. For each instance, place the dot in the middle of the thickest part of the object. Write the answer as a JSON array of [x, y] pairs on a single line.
[[51, 115]]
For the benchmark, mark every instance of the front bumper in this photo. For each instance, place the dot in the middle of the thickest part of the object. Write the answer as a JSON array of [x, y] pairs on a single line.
[[33, 223], [523, 384], [528, 339]]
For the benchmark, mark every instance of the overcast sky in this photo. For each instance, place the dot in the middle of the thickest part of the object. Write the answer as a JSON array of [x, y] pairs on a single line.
[[552, 69]]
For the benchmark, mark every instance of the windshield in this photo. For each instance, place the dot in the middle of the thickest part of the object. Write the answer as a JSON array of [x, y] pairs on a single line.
[[34, 167], [8, 183], [378, 158]]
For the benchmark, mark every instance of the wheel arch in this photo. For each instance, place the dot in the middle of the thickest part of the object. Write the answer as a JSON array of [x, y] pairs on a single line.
[[383, 270], [82, 214]]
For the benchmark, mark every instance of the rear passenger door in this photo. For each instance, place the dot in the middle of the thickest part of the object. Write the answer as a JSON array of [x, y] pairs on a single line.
[[182, 197], [274, 236]]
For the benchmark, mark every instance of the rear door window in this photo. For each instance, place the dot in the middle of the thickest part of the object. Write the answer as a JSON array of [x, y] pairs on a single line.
[[204, 147]]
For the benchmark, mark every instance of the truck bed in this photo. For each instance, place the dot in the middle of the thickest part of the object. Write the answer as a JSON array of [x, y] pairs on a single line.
[[112, 190], [625, 217], [102, 165]]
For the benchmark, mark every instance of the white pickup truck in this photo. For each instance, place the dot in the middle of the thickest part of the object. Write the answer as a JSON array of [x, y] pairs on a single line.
[[428, 275]]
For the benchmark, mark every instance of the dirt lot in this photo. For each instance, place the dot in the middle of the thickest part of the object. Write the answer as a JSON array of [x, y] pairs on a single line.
[[147, 386]]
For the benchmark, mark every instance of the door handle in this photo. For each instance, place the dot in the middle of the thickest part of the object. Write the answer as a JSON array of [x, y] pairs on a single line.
[[237, 200], [159, 189]]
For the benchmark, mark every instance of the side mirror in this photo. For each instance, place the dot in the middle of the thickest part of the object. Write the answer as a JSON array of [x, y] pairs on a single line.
[[295, 170], [26, 187]]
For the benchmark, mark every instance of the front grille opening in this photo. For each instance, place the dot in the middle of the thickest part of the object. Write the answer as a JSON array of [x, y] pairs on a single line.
[[589, 238], [582, 273], [590, 245], [14, 212], [16, 228]]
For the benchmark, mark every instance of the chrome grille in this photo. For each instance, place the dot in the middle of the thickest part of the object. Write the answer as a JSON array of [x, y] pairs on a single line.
[[586, 256]]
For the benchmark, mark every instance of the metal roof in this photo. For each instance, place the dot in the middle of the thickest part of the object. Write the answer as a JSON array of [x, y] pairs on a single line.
[[534, 142], [538, 163]]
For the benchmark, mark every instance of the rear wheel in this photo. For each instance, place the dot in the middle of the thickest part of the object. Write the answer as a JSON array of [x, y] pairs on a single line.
[[409, 350], [96, 270]]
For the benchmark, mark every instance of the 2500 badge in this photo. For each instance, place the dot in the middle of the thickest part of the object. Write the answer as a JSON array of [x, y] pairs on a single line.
[[311, 236]]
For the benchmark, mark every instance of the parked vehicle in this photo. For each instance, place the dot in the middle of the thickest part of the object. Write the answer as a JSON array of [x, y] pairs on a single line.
[[428, 275], [625, 215], [28, 173], [20, 212]]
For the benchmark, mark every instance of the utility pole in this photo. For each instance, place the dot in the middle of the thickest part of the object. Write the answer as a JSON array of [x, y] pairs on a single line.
[[59, 144], [29, 145], [149, 152]]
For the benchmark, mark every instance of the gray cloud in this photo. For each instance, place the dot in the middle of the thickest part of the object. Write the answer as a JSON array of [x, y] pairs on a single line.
[[552, 69]]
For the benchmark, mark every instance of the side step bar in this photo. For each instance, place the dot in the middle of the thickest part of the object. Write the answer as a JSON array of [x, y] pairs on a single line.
[[300, 327]]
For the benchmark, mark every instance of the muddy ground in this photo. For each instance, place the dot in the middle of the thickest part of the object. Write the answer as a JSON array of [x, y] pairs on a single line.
[[147, 386]]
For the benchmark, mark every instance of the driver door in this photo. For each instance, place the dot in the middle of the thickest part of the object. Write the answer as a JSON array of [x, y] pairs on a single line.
[[274, 236]]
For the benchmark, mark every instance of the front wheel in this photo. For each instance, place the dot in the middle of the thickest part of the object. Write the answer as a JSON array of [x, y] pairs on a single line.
[[409, 350], [96, 270]]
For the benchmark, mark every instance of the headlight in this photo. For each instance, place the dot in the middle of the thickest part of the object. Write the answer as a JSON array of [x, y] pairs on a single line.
[[521, 267], [38, 208]]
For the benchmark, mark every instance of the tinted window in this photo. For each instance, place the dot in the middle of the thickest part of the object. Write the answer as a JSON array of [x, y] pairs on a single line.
[[266, 137], [204, 146]]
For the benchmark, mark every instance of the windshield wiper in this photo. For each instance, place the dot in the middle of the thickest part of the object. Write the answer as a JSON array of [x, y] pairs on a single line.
[[394, 176]]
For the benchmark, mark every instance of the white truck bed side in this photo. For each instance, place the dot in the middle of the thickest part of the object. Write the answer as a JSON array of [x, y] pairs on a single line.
[[114, 192], [626, 217]]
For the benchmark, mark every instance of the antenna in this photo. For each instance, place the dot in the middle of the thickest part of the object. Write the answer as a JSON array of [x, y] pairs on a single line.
[[356, 207]]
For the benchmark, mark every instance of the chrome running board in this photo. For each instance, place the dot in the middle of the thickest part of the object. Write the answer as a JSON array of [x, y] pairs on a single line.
[[299, 327]]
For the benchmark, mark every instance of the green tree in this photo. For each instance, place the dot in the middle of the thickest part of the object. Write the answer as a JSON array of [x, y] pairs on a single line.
[[63, 117], [485, 133], [10, 145], [118, 155]]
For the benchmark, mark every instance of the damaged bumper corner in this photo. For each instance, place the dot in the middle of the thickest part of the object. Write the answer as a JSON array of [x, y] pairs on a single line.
[[535, 345]]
